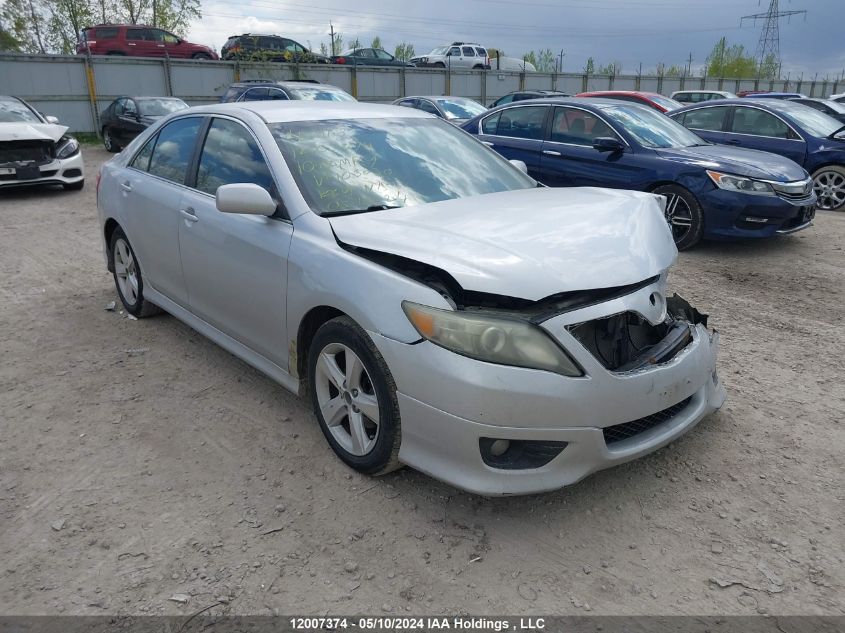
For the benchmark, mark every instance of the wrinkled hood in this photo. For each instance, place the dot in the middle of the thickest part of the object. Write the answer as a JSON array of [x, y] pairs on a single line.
[[737, 160], [527, 244], [23, 131]]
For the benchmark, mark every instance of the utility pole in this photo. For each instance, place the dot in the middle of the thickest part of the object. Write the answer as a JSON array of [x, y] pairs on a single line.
[[769, 43], [560, 65], [155, 13], [689, 64], [331, 29]]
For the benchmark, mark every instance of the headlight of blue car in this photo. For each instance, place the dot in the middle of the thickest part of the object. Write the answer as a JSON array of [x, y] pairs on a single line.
[[740, 184]]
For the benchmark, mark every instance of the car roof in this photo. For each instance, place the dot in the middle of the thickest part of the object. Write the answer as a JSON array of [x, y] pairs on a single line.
[[640, 93], [434, 97], [262, 83], [281, 112]]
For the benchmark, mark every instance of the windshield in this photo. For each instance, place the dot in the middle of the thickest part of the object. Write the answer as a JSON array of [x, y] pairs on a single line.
[[666, 102], [369, 164], [814, 122], [160, 107], [320, 94], [651, 128], [460, 108], [13, 111], [440, 50]]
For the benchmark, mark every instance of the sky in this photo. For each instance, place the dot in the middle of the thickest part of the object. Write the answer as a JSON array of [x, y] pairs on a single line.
[[631, 32]]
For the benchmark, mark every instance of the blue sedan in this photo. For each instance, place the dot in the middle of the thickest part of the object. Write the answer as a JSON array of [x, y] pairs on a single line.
[[712, 191], [813, 139]]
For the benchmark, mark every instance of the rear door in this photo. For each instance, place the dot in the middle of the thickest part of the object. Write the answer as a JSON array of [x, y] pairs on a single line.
[[756, 128], [708, 122], [235, 265], [569, 159], [142, 42], [517, 133], [152, 187]]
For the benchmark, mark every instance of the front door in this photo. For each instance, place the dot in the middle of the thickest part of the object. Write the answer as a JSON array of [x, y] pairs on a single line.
[[755, 128], [142, 42], [568, 158], [235, 265]]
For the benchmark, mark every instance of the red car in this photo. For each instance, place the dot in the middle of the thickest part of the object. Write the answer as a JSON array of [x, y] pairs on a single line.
[[138, 40], [651, 99]]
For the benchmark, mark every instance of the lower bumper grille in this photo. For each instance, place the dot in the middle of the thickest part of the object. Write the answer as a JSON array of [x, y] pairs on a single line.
[[627, 430]]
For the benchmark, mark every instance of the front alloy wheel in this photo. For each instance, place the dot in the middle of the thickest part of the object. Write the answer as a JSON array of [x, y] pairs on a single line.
[[829, 185], [109, 142], [684, 215], [354, 397]]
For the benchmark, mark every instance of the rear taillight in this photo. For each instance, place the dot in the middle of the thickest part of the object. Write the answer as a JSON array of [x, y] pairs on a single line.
[[341, 60]]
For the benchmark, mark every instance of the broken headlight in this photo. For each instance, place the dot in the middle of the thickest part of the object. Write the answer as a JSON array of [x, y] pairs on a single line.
[[492, 339], [740, 184], [67, 148]]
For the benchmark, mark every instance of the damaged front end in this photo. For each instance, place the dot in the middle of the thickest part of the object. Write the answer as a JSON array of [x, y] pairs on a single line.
[[628, 342]]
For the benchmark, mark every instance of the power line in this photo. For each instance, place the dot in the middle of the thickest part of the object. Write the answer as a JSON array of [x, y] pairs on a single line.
[[768, 47]]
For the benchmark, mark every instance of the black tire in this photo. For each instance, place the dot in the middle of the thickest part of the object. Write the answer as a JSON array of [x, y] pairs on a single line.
[[140, 307], [687, 235], [383, 456], [109, 142], [74, 186], [829, 185], [478, 67], [439, 65], [116, 54], [204, 56]]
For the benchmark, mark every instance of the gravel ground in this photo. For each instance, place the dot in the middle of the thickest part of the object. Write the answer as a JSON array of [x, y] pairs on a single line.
[[139, 461]]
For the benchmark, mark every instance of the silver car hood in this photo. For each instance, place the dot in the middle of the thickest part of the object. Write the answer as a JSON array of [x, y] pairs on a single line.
[[23, 131], [527, 244]]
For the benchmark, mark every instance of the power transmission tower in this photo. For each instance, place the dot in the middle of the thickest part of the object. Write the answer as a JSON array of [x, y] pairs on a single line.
[[768, 46]]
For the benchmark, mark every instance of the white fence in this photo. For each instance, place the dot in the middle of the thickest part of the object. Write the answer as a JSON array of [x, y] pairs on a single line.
[[76, 89]]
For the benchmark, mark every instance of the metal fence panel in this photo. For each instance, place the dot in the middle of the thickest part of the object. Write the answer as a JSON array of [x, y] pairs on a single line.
[[196, 80], [499, 84]]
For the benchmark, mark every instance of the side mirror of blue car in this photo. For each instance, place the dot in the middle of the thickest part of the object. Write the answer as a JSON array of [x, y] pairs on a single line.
[[607, 144]]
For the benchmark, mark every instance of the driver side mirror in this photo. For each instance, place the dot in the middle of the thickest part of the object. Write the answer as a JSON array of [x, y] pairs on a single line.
[[520, 165], [245, 198], [607, 144], [52, 119]]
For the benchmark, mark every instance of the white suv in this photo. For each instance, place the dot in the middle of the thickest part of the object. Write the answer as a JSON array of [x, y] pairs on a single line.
[[457, 55]]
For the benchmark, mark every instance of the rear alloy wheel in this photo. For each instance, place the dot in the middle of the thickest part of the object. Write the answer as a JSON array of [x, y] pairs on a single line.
[[354, 397], [127, 277], [684, 215], [202, 56], [829, 184], [109, 142]]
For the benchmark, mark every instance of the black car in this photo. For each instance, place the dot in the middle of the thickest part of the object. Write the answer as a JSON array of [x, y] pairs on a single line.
[[269, 90], [831, 108], [127, 117], [523, 95], [368, 57], [269, 48]]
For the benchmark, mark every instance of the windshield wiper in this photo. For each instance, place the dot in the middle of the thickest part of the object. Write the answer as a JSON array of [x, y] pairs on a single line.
[[374, 207]]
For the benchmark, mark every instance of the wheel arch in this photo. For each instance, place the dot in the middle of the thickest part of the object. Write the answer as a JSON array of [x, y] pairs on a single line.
[[313, 320], [109, 228]]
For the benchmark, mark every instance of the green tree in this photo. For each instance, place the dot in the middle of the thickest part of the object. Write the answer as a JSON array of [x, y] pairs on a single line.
[[730, 61], [66, 21], [546, 61], [324, 50], [769, 68], [25, 23], [355, 44], [404, 51], [613, 68], [590, 66], [376, 43], [674, 71], [530, 58]]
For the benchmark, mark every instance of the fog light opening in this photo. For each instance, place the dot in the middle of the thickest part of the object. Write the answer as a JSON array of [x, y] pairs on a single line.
[[499, 447], [754, 218]]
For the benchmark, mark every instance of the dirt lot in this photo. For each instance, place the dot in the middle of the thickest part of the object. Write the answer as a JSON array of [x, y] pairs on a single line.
[[138, 461]]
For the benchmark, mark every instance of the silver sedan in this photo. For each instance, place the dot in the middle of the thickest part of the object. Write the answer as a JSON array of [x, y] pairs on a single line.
[[504, 337]]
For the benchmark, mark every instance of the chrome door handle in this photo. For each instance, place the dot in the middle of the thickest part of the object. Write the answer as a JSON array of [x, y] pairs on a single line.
[[549, 152], [126, 186], [487, 143], [188, 214]]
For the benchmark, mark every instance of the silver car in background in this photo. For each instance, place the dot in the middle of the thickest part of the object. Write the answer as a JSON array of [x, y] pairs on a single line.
[[456, 110], [504, 337]]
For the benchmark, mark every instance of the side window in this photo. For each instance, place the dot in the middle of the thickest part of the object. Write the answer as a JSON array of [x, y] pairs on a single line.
[[426, 106], [231, 155], [173, 151], [119, 107], [455, 51], [366, 52], [169, 38], [504, 100], [255, 94], [490, 124], [382, 54], [129, 107], [269, 43], [468, 51], [135, 34], [274, 94], [106, 33], [481, 52], [408, 103], [142, 158], [578, 127], [706, 119], [522, 122], [758, 123]]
